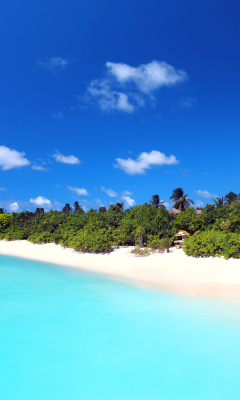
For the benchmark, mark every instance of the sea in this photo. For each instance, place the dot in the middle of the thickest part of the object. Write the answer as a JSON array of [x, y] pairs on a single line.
[[70, 335]]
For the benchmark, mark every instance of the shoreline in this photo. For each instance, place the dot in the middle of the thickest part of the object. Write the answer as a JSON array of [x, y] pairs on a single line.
[[173, 272]]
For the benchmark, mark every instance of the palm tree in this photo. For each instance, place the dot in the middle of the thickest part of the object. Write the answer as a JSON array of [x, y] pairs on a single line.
[[155, 200], [120, 205], [180, 200], [230, 197], [39, 210], [67, 208], [77, 207], [218, 202]]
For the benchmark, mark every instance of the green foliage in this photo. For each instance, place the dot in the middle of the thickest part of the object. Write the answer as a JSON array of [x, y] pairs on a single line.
[[98, 231], [92, 240], [4, 222], [166, 243], [140, 252], [155, 200], [213, 243], [230, 197], [189, 220]]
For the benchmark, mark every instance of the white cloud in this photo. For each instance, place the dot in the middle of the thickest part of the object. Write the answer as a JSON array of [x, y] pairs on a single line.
[[40, 201], [126, 88], [126, 193], [10, 158], [128, 201], [109, 99], [167, 204], [3, 189], [110, 192], [14, 206], [78, 191], [54, 63], [36, 167], [66, 159], [205, 194], [145, 161], [198, 203], [147, 77]]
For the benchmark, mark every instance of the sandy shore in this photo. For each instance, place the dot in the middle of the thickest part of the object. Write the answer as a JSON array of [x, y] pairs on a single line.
[[172, 272]]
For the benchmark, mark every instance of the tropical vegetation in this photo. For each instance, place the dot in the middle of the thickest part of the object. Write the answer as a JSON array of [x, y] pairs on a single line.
[[215, 230]]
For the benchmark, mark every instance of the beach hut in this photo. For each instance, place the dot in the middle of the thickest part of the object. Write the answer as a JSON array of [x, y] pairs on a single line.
[[181, 235], [174, 211]]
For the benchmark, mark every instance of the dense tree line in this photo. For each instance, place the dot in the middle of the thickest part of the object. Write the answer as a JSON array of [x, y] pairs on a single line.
[[145, 225]]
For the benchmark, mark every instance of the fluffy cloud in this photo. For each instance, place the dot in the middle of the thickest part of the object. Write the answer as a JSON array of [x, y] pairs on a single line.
[[36, 167], [128, 201], [3, 189], [40, 201], [66, 159], [78, 191], [147, 77], [110, 192], [14, 206], [54, 63], [109, 99], [126, 193], [205, 194], [198, 203], [10, 158], [126, 88], [145, 161]]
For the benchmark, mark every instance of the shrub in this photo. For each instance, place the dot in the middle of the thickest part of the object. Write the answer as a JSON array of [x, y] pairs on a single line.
[[92, 241], [156, 245], [140, 252], [213, 243]]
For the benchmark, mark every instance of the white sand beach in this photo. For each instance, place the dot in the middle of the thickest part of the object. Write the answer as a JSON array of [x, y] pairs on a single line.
[[172, 272]]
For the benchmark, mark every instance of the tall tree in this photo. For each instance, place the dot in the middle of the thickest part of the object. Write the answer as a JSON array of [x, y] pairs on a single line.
[[39, 210], [139, 233], [230, 197], [155, 200], [181, 202], [77, 207], [67, 208], [218, 202], [120, 205]]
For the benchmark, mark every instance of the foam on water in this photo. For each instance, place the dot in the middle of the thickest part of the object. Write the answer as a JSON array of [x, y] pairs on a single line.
[[69, 335]]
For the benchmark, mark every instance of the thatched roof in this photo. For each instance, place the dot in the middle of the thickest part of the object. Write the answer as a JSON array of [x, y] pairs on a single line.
[[174, 211]]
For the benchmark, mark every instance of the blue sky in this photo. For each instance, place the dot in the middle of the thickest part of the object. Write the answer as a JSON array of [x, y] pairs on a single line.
[[105, 101]]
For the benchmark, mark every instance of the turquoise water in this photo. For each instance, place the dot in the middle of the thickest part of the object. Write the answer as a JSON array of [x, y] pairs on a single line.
[[69, 335]]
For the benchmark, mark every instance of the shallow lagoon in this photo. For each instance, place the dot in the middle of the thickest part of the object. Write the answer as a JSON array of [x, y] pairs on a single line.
[[70, 335]]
